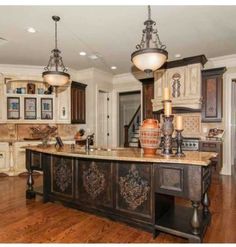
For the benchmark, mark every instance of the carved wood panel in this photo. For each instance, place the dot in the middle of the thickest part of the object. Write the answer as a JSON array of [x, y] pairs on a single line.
[[171, 180], [176, 78], [133, 190], [78, 103], [95, 182], [62, 174], [212, 93]]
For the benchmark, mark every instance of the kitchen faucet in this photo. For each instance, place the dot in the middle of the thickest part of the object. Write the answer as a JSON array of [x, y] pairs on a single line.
[[89, 138]]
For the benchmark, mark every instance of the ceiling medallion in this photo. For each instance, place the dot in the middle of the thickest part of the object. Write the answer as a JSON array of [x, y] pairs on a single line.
[[151, 54], [55, 72]]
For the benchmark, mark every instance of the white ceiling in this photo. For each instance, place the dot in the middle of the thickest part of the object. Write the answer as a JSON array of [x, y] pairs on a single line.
[[113, 32]]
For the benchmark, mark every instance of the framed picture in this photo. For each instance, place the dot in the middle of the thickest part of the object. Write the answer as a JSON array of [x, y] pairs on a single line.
[[30, 88], [13, 107], [30, 108], [46, 108]]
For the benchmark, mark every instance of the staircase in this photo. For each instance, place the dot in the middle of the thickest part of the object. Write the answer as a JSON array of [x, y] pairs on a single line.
[[132, 130], [134, 139]]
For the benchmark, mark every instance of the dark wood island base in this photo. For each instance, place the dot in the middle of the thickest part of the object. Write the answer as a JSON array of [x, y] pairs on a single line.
[[124, 185]]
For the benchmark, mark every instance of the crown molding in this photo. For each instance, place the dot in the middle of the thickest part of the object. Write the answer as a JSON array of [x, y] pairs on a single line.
[[124, 78], [228, 61]]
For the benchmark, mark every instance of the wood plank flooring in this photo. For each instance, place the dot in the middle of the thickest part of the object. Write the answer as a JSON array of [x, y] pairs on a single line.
[[32, 221]]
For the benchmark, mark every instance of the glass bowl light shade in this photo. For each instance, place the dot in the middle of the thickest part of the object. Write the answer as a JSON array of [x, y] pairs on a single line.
[[56, 78], [150, 59]]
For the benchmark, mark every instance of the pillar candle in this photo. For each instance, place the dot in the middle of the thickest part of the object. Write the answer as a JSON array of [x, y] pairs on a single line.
[[179, 122], [167, 109], [166, 93]]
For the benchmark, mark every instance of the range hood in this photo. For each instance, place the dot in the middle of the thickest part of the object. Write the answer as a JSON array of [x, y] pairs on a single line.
[[183, 78]]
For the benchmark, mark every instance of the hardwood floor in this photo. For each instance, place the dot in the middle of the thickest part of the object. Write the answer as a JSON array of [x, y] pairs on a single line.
[[32, 221]]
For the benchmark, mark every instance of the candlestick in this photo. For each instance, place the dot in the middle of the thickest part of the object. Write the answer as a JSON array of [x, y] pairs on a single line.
[[166, 93], [167, 108], [167, 130], [179, 122], [179, 141]]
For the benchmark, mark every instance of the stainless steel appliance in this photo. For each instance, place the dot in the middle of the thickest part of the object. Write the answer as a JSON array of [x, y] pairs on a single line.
[[189, 143]]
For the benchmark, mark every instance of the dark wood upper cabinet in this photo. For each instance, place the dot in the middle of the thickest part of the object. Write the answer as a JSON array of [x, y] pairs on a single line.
[[212, 94], [78, 103], [148, 95]]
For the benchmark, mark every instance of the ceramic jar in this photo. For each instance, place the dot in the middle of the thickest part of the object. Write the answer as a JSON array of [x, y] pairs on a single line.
[[149, 136]]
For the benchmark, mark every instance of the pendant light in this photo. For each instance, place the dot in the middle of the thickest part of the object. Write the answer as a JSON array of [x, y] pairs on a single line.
[[55, 72], [151, 54]]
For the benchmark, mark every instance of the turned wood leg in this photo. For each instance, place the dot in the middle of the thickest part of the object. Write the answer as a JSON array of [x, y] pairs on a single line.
[[195, 218], [206, 203], [30, 193]]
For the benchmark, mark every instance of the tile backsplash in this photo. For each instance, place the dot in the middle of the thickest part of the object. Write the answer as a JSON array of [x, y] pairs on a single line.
[[21, 131], [193, 127]]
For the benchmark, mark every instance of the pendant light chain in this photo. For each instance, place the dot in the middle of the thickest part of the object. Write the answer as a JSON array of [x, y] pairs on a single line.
[[55, 59], [150, 34], [55, 72], [149, 12], [55, 34], [151, 53]]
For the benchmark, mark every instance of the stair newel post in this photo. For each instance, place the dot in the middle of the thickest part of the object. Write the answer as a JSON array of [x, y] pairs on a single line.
[[126, 131], [131, 127]]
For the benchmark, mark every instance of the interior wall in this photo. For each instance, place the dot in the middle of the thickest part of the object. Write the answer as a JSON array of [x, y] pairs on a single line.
[[96, 80]]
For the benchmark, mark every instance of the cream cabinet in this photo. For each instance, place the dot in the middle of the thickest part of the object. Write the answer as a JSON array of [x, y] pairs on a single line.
[[184, 83], [19, 155], [4, 157], [176, 80], [13, 90]]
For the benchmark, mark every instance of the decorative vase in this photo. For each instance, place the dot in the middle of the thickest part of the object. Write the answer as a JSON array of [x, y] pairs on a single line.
[[149, 136]]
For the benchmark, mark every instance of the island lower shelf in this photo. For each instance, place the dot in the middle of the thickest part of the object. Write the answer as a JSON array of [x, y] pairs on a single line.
[[140, 193]]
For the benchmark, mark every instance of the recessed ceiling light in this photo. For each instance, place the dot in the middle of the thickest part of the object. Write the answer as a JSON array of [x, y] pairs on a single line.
[[177, 55], [83, 53], [93, 57], [31, 30], [113, 67]]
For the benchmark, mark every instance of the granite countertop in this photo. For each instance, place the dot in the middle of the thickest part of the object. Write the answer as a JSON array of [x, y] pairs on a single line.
[[127, 154], [33, 140]]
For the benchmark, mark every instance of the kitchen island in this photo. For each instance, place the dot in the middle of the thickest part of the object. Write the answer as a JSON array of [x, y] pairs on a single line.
[[125, 185]]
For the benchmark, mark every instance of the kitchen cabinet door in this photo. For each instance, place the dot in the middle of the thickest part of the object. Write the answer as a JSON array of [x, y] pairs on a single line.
[[62, 177], [133, 189], [212, 95], [19, 155], [95, 183], [78, 103], [4, 157]]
